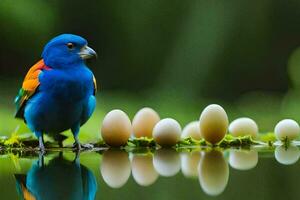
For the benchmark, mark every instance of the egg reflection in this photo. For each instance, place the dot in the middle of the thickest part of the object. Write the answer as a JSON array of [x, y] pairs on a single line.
[[189, 163], [213, 173], [115, 168], [143, 170], [243, 160], [287, 155], [166, 162]]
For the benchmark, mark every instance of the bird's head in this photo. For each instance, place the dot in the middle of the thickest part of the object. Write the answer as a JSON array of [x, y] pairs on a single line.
[[67, 50]]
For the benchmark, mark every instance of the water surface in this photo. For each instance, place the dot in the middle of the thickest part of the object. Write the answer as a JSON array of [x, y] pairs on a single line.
[[161, 174]]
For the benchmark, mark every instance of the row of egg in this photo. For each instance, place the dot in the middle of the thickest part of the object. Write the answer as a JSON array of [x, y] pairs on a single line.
[[212, 126], [210, 168]]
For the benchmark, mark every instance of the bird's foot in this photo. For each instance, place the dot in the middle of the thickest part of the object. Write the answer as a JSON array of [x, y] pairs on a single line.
[[41, 150], [87, 146], [41, 146], [78, 146]]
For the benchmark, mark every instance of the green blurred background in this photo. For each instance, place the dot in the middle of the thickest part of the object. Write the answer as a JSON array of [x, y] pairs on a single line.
[[175, 56]]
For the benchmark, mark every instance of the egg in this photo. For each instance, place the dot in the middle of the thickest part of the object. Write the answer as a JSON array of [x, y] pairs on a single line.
[[189, 163], [115, 168], [192, 130], [213, 173], [166, 162], [287, 156], [167, 132], [116, 128], [243, 127], [144, 122], [143, 171], [287, 128], [243, 160], [213, 123]]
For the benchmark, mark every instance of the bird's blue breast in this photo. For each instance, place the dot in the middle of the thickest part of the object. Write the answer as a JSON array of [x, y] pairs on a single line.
[[61, 100]]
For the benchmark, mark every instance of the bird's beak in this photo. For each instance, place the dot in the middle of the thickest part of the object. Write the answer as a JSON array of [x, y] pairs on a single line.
[[87, 52]]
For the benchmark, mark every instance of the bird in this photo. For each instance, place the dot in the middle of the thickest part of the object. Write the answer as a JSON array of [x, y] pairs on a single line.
[[58, 92], [58, 179]]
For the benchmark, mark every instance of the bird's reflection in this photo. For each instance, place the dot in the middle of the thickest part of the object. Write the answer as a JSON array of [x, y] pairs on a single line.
[[242, 159], [115, 168], [213, 173], [143, 170], [166, 162], [287, 155], [59, 179], [189, 163]]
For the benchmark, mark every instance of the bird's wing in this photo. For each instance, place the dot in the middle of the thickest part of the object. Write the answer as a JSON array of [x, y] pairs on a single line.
[[95, 85], [29, 87], [22, 189]]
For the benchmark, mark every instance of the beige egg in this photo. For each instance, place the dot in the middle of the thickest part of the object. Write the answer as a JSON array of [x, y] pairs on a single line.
[[116, 128], [189, 163], [166, 162], [287, 128], [192, 130], [213, 173], [243, 126], [213, 123], [144, 122], [243, 160], [115, 168], [167, 132], [287, 156], [143, 170]]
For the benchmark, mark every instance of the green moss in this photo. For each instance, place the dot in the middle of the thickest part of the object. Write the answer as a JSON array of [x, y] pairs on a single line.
[[267, 137], [190, 142], [244, 141], [141, 142], [26, 142]]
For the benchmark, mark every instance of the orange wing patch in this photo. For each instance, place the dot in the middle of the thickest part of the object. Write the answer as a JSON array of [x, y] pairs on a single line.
[[31, 81], [26, 194], [29, 86]]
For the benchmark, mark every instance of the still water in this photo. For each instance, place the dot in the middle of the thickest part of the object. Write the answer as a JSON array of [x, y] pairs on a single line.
[[162, 174]]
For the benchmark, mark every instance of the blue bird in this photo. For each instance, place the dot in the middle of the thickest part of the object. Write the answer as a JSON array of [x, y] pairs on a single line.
[[59, 179], [58, 92]]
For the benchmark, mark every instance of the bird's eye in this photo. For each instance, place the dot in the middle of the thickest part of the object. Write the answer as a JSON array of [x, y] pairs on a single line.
[[70, 45]]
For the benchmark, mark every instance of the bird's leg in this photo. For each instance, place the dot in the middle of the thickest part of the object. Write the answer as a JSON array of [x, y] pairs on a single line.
[[75, 131], [41, 141], [77, 144], [41, 144], [41, 148]]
